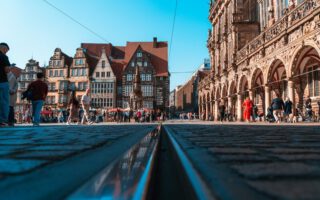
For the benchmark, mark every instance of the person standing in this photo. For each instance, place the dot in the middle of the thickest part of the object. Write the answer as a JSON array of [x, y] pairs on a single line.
[[74, 109], [85, 100], [288, 109], [13, 87], [39, 92], [247, 105], [277, 106], [222, 110], [4, 85]]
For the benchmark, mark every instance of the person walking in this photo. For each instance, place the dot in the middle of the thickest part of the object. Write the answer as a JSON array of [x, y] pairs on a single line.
[[288, 110], [85, 100], [74, 109], [277, 107], [13, 87], [255, 114], [247, 105], [4, 85], [39, 92], [222, 110]]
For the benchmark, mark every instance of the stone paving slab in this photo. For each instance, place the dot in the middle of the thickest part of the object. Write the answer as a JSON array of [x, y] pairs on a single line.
[[254, 161], [49, 162]]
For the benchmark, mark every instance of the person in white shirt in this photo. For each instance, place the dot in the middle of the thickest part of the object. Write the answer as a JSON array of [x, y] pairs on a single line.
[[85, 100], [13, 87]]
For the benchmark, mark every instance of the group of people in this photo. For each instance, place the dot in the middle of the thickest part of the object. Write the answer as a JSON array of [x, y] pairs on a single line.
[[36, 91]]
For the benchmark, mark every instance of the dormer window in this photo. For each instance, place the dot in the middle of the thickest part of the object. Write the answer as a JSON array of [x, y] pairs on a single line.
[[139, 54], [79, 62], [103, 64]]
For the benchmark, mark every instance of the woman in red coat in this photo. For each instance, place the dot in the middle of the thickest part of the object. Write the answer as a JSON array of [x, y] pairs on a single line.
[[247, 105]]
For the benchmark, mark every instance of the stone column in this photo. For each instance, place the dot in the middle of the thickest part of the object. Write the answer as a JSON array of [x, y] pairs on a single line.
[[239, 109], [251, 95], [267, 98], [216, 104], [207, 109], [291, 95]]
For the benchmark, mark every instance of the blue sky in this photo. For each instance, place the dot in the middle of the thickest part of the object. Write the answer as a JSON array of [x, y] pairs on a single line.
[[33, 28]]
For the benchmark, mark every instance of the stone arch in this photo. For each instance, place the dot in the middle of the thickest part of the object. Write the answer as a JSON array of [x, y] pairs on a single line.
[[257, 88], [277, 79], [232, 102], [243, 86], [305, 74]]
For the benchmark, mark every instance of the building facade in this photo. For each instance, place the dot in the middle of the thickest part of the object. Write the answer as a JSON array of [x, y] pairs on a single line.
[[186, 95], [109, 71], [57, 77], [260, 49]]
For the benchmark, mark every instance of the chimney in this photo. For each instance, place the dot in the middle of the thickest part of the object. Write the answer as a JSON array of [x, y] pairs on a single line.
[[155, 42]]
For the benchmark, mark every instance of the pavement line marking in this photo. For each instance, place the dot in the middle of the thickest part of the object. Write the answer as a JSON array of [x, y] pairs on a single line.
[[200, 188]]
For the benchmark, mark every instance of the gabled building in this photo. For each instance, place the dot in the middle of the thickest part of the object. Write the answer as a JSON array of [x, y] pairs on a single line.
[[109, 71], [103, 83], [57, 77]]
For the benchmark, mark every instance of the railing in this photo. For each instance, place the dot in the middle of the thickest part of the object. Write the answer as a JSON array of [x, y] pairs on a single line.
[[276, 30]]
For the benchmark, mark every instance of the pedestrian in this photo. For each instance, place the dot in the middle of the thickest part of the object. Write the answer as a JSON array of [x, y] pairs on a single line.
[[222, 109], [255, 112], [308, 106], [288, 110], [13, 87], [277, 107], [247, 105], [74, 109], [39, 92], [85, 100], [4, 85]]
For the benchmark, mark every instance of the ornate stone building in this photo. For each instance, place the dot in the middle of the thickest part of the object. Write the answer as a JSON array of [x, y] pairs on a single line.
[[260, 49]]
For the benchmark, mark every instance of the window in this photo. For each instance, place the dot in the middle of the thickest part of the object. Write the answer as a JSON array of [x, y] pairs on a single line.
[[79, 61], [97, 74], [50, 73], [139, 64], [108, 74], [127, 90], [148, 104], [84, 72], [78, 72], [63, 85], [61, 73], [55, 73], [148, 77], [58, 63], [103, 74], [161, 78], [314, 81], [147, 90], [129, 77], [109, 102], [63, 99], [132, 64], [145, 64], [143, 77], [103, 64], [82, 85], [109, 87], [139, 54]]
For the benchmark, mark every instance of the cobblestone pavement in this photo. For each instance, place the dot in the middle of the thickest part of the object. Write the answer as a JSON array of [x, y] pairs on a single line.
[[254, 162], [33, 160]]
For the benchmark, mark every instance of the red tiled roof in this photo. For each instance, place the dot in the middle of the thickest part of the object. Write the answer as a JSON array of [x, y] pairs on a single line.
[[121, 56], [16, 71], [159, 55]]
